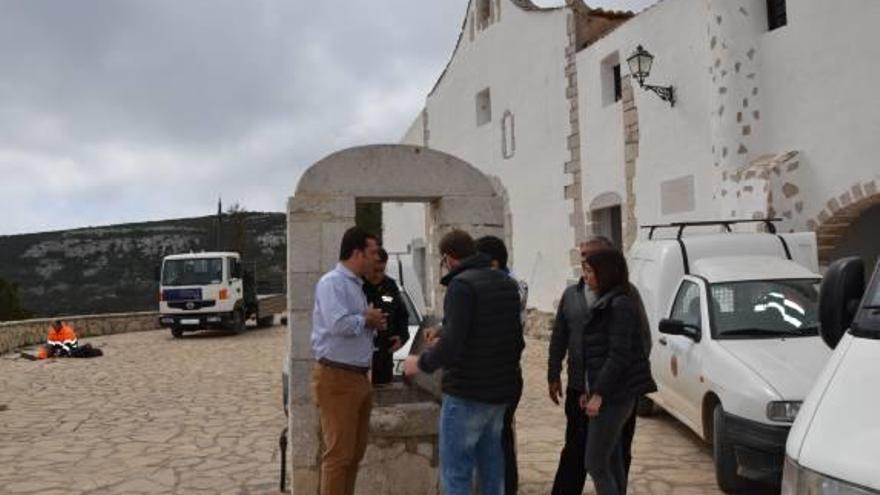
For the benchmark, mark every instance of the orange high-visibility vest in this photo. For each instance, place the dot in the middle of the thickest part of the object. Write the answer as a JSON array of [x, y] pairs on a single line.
[[64, 337]]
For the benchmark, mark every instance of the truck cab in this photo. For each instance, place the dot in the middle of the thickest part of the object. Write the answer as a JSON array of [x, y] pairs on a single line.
[[204, 291], [735, 341], [834, 445]]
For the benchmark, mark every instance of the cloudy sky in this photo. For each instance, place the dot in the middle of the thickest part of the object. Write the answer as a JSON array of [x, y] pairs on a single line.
[[126, 110]]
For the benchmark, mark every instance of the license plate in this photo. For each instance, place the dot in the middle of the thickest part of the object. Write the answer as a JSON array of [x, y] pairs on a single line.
[[190, 321]]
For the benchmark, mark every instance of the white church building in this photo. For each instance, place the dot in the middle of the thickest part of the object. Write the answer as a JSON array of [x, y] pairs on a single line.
[[772, 112]]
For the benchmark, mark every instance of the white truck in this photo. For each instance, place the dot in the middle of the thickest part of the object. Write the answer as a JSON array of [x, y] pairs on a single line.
[[735, 343], [208, 290], [834, 446]]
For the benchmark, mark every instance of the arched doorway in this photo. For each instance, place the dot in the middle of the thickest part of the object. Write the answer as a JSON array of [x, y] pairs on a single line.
[[852, 233], [849, 225], [606, 217], [457, 195]]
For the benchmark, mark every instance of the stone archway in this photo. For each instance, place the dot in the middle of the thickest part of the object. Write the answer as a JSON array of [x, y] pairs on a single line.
[[323, 207], [852, 214]]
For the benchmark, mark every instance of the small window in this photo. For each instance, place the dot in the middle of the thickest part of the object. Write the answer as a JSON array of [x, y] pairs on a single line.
[[776, 15], [484, 13], [687, 307], [609, 71], [484, 107], [618, 89]]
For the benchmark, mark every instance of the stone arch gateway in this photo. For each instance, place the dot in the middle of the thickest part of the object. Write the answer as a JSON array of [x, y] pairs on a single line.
[[323, 207]]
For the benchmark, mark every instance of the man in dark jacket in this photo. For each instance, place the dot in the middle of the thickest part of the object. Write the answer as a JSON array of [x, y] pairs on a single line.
[[567, 340], [494, 248], [382, 293], [479, 350]]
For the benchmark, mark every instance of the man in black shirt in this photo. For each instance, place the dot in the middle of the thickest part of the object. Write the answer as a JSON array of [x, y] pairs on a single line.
[[382, 293]]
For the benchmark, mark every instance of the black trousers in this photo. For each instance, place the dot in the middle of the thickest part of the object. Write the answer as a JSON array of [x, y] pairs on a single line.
[[571, 475], [604, 456], [383, 367], [572, 470], [508, 444]]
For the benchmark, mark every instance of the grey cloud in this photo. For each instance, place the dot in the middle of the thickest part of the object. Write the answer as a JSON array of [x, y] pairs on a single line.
[[125, 110]]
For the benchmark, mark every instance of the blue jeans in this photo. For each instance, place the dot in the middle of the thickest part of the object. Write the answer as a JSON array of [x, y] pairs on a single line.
[[470, 437]]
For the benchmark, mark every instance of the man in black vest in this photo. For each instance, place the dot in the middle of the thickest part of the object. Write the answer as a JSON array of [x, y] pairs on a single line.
[[479, 349]]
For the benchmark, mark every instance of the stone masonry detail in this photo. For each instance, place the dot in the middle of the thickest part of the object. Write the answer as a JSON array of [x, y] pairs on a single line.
[[572, 167], [631, 153]]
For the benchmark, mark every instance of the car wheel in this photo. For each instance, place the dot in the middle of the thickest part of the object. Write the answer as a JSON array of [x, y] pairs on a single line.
[[725, 458], [177, 332], [645, 407]]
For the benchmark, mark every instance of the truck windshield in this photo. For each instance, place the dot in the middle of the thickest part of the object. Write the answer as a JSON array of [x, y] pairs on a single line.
[[200, 271], [765, 308]]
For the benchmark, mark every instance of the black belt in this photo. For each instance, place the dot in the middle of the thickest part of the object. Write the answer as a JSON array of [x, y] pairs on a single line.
[[343, 366]]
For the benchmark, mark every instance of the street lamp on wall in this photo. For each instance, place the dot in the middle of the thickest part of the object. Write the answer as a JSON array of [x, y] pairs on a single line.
[[640, 63]]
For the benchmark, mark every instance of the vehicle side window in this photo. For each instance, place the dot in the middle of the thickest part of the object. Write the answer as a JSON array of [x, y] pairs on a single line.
[[687, 304], [234, 269]]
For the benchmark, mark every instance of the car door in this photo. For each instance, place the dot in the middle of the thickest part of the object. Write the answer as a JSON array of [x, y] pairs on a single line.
[[683, 367]]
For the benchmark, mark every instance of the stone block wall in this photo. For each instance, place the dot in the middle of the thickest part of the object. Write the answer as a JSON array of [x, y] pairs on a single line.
[[17, 334]]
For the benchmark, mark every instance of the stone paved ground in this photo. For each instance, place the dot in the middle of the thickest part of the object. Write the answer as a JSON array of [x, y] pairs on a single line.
[[202, 415], [154, 415], [668, 459]]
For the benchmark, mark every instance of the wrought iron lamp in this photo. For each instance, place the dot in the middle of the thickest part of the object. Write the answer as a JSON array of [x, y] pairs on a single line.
[[640, 67]]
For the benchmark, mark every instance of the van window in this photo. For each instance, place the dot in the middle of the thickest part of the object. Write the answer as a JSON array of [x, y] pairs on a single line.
[[687, 307], [765, 308]]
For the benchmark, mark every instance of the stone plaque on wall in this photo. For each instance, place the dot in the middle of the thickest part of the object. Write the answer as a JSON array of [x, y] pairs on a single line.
[[677, 195]]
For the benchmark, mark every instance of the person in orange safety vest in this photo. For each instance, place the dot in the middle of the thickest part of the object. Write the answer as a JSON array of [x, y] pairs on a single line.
[[61, 341]]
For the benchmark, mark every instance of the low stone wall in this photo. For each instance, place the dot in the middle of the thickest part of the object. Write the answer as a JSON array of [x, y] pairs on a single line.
[[17, 334], [402, 456]]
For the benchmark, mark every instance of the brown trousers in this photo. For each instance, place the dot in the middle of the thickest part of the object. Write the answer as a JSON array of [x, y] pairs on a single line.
[[344, 399]]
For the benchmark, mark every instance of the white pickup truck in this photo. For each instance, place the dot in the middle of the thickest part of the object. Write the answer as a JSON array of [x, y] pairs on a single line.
[[834, 446], [735, 343]]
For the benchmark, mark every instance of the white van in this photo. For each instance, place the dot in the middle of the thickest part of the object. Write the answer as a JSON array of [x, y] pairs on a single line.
[[834, 446], [735, 342]]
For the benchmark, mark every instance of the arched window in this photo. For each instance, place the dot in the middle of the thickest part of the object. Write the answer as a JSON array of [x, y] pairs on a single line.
[[508, 135]]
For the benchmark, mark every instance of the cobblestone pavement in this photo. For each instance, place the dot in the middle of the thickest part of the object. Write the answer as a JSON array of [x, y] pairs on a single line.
[[153, 415], [202, 415], [668, 459]]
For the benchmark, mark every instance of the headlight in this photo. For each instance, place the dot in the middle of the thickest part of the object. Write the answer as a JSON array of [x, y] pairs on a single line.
[[797, 480], [783, 411]]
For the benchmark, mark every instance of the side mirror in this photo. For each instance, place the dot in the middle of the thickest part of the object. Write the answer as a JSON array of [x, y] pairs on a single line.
[[839, 295], [669, 326], [157, 273]]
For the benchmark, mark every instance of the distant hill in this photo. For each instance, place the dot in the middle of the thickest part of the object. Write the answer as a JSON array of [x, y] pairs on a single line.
[[112, 269]]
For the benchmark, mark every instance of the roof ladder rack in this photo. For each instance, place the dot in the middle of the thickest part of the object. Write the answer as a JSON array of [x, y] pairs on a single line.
[[727, 224]]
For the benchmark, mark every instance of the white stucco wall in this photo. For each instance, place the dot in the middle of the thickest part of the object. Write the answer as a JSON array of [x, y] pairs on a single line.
[[674, 141], [521, 59], [819, 77]]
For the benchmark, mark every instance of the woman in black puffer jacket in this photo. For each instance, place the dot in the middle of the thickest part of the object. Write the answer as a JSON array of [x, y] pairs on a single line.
[[616, 365]]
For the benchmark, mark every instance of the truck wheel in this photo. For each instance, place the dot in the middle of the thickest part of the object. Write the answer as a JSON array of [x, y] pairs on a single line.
[[265, 321], [645, 407], [237, 322], [725, 458], [177, 332]]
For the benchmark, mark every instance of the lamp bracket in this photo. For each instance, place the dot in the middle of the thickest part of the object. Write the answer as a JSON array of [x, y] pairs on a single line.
[[666, 93]]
